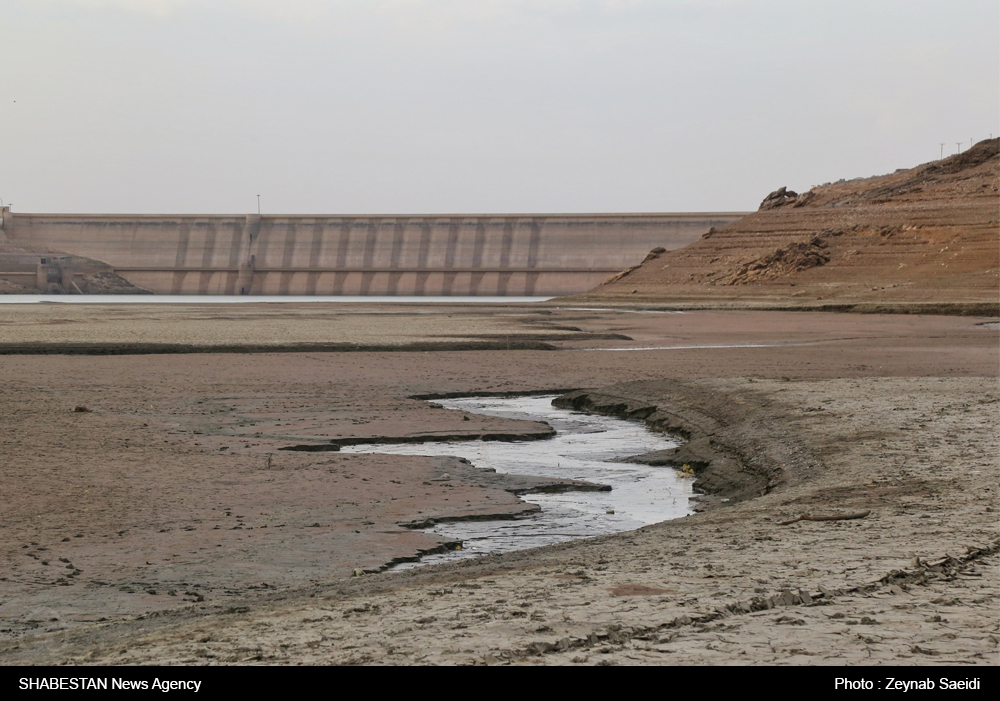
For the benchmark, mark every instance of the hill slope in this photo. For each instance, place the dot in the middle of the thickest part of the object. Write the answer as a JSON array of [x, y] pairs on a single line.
[[923, 239]]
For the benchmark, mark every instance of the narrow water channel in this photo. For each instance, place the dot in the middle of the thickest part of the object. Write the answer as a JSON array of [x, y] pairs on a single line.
[[583, 449]]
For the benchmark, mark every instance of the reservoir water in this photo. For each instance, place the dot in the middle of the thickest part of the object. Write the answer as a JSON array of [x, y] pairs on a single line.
[[584, 448]]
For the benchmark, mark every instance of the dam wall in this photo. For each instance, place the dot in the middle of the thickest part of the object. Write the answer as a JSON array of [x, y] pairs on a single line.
[[486, 254]]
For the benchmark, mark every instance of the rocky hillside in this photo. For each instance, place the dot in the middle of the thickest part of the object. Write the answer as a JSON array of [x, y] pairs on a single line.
[[923, 239]]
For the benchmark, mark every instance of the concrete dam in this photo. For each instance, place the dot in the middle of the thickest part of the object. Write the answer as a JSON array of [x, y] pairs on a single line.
[[450, 254]]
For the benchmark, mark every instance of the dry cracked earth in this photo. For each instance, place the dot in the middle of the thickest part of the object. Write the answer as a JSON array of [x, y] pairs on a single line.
[[794, 413]]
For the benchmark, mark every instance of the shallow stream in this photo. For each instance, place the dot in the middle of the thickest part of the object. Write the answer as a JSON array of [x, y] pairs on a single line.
[[583, 449]]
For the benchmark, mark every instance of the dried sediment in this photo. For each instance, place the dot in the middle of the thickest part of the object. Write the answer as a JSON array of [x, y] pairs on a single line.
[[144, 329], [893, 415], [221, 346], [910, 584]]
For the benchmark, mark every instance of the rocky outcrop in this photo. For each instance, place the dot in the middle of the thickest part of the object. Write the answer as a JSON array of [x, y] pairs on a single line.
[[793, 258], [783, 196]]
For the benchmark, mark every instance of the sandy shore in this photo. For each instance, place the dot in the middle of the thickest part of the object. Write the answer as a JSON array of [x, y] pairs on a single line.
[[165, 524]]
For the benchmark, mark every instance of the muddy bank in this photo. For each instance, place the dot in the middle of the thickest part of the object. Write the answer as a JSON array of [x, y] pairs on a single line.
[[539, 434], [729, 445]]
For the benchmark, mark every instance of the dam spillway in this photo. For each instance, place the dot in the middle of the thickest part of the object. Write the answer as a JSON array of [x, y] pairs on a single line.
[[450, 254]]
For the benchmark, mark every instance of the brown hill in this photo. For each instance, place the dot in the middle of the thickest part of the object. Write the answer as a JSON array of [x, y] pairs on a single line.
[[923, 239]]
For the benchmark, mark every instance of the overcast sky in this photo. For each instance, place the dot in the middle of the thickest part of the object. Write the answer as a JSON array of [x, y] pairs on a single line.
[[418, 106]]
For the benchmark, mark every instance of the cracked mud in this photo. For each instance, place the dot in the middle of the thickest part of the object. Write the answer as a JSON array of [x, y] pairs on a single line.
[[164, 525]]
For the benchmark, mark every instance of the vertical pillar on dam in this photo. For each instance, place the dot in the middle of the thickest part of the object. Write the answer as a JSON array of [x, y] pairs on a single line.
[[6, 223], [42, 277], [534, 241], [251, 232]]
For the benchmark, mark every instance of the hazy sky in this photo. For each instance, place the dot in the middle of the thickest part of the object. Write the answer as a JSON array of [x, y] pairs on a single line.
[[415, 106]]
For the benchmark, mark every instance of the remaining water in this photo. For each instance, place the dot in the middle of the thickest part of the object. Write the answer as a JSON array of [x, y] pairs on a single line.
[[582, 449], [252, 299]]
